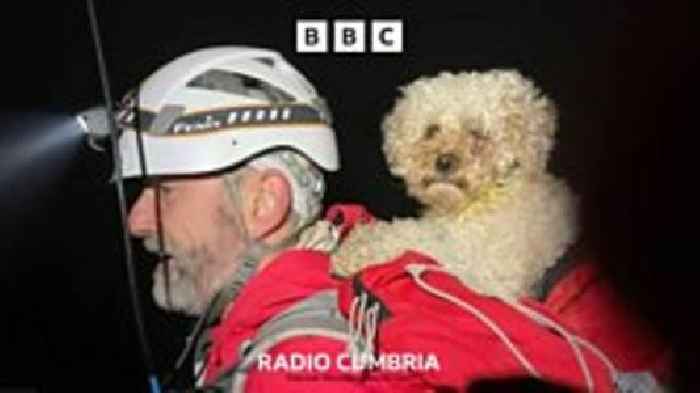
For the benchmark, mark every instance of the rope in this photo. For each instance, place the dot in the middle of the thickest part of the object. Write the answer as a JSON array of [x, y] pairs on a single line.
[[416, 270], [574, 341], [542, 320], [362, 320]]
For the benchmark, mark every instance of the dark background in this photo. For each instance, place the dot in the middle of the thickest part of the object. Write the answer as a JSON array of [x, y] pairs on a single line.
[[623, 76]]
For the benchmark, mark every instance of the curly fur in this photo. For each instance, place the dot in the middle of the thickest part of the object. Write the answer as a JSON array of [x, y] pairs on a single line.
[[473, 148]]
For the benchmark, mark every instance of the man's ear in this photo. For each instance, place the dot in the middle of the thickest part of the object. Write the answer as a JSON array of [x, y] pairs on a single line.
[[271, 203]]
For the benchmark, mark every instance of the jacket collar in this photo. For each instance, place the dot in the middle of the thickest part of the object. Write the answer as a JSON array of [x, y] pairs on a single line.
[[292, 276]]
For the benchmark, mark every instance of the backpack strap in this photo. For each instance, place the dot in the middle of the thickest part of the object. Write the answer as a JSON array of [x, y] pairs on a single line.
[[317, 315]]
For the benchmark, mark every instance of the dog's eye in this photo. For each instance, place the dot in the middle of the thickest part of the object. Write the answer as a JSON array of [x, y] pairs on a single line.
[[479, 134], [431, 130]]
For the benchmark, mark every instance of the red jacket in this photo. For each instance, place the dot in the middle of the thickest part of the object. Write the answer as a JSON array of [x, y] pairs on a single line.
[[586, 301], [297, 274], [293, 276]]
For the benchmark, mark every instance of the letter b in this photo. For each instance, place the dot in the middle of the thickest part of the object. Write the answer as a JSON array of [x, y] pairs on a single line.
[[349, 36], [312, 36]]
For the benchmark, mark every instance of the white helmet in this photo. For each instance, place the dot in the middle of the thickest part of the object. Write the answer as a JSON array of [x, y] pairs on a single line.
[[214, 108]]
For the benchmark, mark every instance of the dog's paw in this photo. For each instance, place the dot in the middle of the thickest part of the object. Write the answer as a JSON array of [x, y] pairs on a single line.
[[371, 244]]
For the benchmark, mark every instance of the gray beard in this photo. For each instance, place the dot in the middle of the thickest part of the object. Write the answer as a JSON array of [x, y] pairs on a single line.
[[183, 295]]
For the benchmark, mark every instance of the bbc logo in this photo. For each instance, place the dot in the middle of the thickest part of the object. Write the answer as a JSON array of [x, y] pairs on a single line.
[[386, 36]]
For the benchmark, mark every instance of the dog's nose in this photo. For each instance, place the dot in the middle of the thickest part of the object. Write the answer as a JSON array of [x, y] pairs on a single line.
[[446, 163]]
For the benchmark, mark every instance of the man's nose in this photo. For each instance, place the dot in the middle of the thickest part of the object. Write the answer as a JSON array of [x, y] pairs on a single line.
[[142, 218]]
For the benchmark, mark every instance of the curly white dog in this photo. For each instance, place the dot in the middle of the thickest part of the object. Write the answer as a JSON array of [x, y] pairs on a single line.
[[472, 147]]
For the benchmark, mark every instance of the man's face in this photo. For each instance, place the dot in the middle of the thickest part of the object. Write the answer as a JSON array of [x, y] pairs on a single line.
[[202, 240]]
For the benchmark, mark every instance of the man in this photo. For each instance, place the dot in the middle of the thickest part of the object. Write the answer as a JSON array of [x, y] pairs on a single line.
[[231, 144]]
